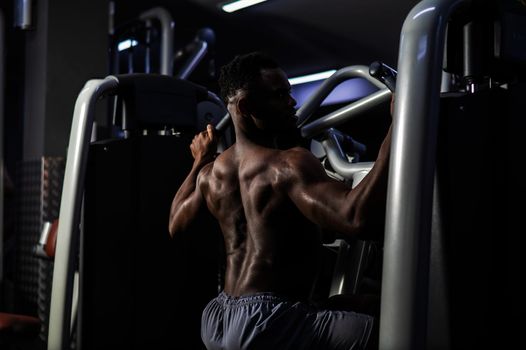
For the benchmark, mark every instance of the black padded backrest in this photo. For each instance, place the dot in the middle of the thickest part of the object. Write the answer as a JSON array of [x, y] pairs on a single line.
[[141, 289], [154, 101]]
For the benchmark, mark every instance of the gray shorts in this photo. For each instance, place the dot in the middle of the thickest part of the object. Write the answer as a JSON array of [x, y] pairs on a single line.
[[266, 321]]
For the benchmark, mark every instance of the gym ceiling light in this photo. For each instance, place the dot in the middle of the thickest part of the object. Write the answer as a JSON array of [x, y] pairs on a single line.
[[311, 77], [239, 4]]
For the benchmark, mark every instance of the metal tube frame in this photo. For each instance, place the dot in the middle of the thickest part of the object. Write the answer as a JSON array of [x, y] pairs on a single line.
[[23, 14], [1, 147], [341, 75], [167, 36], [193, 61], [412, 166], [339, 161], [329, 142], [346, 113], [70, 208], [63, 303]]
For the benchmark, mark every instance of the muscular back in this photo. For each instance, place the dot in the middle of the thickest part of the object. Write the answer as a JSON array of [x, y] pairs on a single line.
[[270, 245]]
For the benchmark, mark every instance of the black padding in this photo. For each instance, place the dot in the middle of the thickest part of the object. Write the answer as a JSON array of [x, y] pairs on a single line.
[[469, 257], [487, 38], [140, 288], [154, 101]]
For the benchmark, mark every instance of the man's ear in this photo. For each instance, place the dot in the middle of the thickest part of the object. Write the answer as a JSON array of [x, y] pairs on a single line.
[[244, 105]]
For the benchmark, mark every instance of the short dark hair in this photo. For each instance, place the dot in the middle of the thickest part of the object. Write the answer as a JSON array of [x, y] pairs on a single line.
[[242, 71]]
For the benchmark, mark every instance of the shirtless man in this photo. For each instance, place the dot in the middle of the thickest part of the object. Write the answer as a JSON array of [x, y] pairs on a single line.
[[271, 202]]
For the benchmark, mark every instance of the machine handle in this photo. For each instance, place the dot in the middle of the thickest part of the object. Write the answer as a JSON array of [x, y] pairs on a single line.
[[383, 73]]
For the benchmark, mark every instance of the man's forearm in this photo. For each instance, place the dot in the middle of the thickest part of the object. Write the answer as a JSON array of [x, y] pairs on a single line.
[[369, 197]]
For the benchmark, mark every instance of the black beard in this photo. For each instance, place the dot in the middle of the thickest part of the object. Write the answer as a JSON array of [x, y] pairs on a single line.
[[289, 139]]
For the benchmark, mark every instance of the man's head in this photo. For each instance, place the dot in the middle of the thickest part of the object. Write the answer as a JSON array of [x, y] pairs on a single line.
[[243, 72], [254, 86]]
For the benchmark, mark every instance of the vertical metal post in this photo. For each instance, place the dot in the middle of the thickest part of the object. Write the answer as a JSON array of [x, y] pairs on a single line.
[[167, 36], [23, 14], [70, 206], [409, 199], [148, 53], [1, 147]]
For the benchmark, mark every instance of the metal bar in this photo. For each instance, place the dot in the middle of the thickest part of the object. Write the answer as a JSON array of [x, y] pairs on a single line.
[[224, 122], [23, 14], [194, 60], [2, 176], [341, 75], [412, 164], [216, 100], [70, 205], [148, 53], [167, 36], [346, 113], [340, 163]]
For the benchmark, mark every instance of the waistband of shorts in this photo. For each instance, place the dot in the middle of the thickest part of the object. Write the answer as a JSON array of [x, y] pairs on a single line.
[[262, 297]]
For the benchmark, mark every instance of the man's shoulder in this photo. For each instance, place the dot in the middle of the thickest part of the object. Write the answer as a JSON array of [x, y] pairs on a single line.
[[294, 164], [297, 156], [222, 166], [295, 151]]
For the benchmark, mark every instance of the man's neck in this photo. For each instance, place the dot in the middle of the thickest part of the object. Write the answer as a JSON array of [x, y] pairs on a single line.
[[248, 134]]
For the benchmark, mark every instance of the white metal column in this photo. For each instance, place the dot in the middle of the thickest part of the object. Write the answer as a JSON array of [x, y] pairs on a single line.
[[70, 206], [410, 192]]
